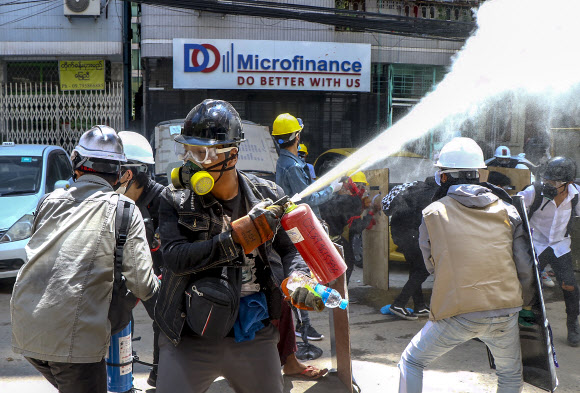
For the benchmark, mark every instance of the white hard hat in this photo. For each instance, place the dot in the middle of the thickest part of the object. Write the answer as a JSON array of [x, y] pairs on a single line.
[[503, 152], [461, 153], [136, 147]]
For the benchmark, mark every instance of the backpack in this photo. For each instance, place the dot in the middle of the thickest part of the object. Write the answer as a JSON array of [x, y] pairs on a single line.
[[123, 301], [538, 198]]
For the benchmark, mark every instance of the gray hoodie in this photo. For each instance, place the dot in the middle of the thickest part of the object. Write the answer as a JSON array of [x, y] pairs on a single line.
[[476, 196]]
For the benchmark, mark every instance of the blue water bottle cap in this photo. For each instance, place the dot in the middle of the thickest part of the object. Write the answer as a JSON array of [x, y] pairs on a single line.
[[343, 304]]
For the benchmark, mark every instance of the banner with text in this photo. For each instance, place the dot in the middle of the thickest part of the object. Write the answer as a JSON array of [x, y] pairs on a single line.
[[82, 75], [271, 65]]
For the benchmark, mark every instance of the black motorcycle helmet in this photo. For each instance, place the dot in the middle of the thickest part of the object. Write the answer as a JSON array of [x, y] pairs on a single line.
[[560, 169], [211, 123]]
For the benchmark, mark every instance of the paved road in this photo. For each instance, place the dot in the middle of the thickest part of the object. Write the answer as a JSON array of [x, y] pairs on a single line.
[[377, 342]]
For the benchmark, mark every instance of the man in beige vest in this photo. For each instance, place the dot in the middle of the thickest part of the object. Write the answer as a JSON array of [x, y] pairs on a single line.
[[474, 245]]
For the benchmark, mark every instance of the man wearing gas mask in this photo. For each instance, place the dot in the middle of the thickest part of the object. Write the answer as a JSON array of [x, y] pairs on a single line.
[[551, 207], [224, 261]]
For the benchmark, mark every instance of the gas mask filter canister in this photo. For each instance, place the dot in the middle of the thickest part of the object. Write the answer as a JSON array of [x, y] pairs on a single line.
[[191, 176]]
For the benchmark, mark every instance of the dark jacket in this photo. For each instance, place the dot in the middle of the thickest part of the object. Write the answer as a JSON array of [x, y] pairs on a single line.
[[193, 242], [404, 204], [339, 210], [148, 204]]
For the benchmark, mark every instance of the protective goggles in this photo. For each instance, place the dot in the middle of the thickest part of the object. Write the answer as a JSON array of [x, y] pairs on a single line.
[[200, 154]]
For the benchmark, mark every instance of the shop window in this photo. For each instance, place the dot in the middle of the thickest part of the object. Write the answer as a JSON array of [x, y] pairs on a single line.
[[414, 81], [32, 72]]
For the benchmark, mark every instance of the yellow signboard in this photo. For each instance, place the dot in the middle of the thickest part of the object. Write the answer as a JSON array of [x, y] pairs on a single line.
[[82, 74]]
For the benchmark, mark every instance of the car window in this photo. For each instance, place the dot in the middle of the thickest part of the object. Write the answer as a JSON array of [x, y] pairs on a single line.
[[58, 169], [20, 174]]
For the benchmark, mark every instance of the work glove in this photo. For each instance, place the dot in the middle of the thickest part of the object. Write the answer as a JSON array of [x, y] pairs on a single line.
[[336, 185], [302, 298], [526, 317], [258, 226]]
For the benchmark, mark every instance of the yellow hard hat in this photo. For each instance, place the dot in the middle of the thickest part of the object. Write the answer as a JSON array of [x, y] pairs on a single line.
[[359, 177], [303, 148], [286, 124]]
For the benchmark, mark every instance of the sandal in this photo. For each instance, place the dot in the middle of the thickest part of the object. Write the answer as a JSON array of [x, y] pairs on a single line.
[[309, 373]]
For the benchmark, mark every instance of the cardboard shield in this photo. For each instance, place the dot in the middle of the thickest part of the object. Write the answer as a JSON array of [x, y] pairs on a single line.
[[538, 353]]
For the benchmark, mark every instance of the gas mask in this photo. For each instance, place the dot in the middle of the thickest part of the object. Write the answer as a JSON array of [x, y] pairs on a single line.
[[192, 176], [196, 178]]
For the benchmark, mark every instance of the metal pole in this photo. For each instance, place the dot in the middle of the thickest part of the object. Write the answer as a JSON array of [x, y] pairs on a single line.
[[127, 64]]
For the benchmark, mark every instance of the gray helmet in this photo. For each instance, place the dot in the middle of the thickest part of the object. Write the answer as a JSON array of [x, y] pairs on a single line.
[[560, 169], [100, 149]]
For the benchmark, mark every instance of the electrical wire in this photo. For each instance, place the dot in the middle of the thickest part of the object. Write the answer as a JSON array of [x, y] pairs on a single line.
[[41, 2], [24, 2], [355, 20], [18, 19]]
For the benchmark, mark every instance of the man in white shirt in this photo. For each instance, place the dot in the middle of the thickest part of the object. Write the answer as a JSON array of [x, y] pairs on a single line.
[[550, 214]]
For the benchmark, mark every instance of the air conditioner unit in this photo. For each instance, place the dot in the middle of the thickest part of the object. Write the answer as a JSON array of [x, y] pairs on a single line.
[[82, 8]]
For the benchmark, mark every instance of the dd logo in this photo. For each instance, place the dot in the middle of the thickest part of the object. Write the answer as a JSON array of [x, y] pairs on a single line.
[[191, 52]]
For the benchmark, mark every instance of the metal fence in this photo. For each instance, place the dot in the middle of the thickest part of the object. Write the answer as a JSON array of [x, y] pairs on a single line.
[[40, 113]]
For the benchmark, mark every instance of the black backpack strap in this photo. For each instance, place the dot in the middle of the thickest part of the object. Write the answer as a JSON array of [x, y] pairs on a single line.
[[571, 221], [123, 220], [538, 197]]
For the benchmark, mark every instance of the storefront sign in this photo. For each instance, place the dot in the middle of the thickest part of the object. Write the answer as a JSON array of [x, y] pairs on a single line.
[[271, 65], [82, 75]]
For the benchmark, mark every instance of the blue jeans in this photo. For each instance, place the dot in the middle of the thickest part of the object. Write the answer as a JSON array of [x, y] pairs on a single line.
[[501, 334]]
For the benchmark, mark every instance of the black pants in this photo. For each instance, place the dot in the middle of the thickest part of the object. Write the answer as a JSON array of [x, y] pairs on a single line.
[[417, 275], [150, 307], [74, 377], [564, 271]]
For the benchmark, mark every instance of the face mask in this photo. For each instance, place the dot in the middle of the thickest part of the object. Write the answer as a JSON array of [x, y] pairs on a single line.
[[551, 192], [119, 189], [438, 178]]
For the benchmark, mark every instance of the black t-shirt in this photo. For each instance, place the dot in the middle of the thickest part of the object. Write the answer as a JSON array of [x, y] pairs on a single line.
[[234, 208]]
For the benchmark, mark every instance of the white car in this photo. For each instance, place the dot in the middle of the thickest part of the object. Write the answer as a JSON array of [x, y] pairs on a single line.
[[27, 172]]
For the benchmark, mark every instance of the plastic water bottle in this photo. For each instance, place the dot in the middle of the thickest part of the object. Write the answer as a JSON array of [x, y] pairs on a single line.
[[330, 297]]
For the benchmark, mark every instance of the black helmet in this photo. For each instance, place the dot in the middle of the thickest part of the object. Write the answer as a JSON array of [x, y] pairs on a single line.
[[213, 122], [560, 169]]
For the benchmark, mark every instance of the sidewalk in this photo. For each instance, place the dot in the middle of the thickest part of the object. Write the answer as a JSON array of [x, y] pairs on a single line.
[[377, 343]]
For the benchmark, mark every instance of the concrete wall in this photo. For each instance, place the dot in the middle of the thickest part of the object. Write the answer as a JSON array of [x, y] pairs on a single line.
[[41, 29]]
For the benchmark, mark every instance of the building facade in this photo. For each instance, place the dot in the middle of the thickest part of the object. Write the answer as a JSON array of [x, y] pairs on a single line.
[[402, 69], [60, 74]]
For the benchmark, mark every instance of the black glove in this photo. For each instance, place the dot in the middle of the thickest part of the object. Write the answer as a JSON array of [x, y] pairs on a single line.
[[304, 299], [270, 212]]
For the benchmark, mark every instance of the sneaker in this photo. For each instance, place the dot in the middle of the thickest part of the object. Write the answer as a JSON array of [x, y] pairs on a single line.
[[546, 280], [152, 380], [311, 334], [422, 311], [402, 312]]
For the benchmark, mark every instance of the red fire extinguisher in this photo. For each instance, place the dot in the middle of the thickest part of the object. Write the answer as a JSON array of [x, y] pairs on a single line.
[[313, 243]]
